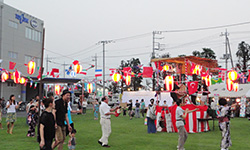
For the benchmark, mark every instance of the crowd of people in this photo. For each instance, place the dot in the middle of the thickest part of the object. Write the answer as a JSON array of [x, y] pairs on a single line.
[[56, 121]]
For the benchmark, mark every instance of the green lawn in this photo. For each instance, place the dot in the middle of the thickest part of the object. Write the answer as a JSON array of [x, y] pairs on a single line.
[[130, 135]]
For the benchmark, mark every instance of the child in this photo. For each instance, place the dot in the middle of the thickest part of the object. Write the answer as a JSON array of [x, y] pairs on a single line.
[[72, 140], [180, 122], [224, 121]]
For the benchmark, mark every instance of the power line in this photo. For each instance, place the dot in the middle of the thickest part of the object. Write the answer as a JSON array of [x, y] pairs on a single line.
[[208, 28]]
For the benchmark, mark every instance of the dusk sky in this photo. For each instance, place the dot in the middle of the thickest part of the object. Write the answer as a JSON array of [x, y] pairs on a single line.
[[73, 28]]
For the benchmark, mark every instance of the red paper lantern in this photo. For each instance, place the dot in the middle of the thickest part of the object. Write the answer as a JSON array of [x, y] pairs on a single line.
[[116, 77], [229, 85], [22, 80], [208, 80], [235, 87], [77, 68], [89, 87], [4, 76], [232, 75], [169, 82], [16, 76], [166, 67], [197, 70], [31, 67], [128, 80], [57, 89]]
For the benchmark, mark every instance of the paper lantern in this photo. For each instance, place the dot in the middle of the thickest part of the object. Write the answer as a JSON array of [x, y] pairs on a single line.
[[229, 85], [232, 75], [197, 70], [77, 68], [166, 67], [208, 80], [4, 76], [169, 83], [16, 77], [235, 87], [31, 67], [116, 77], [57, 89], [22, 80], [128, 80], [89, 87]]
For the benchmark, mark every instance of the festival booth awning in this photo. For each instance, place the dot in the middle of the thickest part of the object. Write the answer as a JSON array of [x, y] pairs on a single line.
[[166, 119], [204, 62], [221, 91]]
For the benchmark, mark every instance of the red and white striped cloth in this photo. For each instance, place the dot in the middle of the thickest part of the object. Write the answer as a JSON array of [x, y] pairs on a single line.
[[192, 123]]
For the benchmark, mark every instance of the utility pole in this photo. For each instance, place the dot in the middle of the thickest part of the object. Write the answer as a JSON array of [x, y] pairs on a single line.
[[103, 72], [227, 49], [153, 55], [95, 69], [64, 64]]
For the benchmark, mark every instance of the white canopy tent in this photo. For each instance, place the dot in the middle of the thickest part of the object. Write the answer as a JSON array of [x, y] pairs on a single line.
[[146, 95], [221, 89]]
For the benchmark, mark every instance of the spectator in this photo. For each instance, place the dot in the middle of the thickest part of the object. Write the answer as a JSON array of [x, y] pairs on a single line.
[[11, 106], [61, 106], [130, 112], [151, 117], [1, 108], [79, 105], [137, 109], [47, 125], [142, 107], [96, 109], [32, 119], [84, 106], [165, 103]]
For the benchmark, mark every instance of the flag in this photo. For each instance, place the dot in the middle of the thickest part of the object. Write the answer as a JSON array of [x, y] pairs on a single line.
[[147, 72], [222, 75], [92, 66], [84, 72], [112, 71], [159, 65], [243, 78], [214, 81], [98, 72], [192, 87], [127, 70], [12, 65], [69, 70], [54, 70]]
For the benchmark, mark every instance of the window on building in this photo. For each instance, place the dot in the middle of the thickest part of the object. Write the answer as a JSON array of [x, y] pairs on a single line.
[[33, 34], [27, 59], [11, 84], [13, 24], [13, 55]]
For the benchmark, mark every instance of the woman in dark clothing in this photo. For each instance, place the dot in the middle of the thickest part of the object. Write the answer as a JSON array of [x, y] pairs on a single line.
[[32, 117]]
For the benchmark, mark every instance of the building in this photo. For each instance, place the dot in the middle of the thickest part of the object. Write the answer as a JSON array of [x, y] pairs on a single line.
[[21, 37]]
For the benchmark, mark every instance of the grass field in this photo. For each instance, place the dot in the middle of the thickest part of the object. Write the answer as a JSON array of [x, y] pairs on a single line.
[[130, 135]]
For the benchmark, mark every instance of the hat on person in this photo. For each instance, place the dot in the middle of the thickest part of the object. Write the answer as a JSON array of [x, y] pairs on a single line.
[[65, 92]]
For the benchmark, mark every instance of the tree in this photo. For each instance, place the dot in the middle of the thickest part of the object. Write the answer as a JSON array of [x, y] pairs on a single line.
[[182, 55], [134, 63], [208, 53], [166, 55], [196, 53], [244, 53]]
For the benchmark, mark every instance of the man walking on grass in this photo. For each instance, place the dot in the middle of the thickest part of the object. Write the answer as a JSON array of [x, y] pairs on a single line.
[[105, 113]]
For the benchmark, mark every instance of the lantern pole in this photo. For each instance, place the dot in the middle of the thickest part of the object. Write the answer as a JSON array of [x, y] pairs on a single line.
[[41, 79]]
